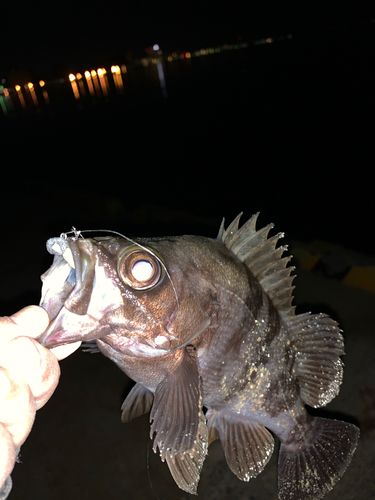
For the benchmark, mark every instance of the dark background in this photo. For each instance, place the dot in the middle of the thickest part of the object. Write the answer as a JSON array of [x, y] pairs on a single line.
[[284, 128]]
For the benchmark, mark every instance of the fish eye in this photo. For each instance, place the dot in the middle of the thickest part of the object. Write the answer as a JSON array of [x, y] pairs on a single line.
[[139, 269]]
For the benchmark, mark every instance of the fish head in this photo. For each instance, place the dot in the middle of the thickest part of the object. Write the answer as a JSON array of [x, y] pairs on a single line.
[[130, 294]]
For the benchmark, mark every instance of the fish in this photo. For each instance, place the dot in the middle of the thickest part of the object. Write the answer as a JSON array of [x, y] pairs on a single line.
[[207, 330]]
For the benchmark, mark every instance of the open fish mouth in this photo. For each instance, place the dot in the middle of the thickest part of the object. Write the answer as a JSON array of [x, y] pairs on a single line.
[[66, 292]]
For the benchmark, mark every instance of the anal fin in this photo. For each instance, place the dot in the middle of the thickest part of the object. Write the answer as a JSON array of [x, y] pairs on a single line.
[[309, 469], [247, 445], [137, 402]]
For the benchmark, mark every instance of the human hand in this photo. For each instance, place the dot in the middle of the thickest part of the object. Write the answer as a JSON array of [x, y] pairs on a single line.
[[29, 374]]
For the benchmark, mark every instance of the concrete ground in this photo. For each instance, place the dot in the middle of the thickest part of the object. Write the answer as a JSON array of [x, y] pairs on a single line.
[[79, 448]]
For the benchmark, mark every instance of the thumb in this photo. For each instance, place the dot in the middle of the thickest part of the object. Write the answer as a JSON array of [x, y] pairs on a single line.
[[33, 320]]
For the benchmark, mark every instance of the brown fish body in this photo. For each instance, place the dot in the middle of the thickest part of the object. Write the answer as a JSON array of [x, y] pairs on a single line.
[[211, 324]]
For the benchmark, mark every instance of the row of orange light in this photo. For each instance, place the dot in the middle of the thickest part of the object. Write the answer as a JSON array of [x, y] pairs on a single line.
[[29, 86], [115, 69], [78, 76], [99, 72], [92, 78]]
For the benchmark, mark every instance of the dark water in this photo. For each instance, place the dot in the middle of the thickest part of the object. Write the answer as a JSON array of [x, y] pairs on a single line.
[[284, 128]]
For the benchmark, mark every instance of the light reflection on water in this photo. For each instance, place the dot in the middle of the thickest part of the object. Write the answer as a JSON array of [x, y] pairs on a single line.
[[94, 84], [90, 87]]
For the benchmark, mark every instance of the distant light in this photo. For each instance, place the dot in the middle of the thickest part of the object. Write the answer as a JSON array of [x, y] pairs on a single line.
[[78, 76], [155, 47], [93, 73], [123, 68], [187, 55], [30, 85], [100, 72], [18, 88], [42, 83], [87, 74], [72, 77], [269, 40], [75, 88], [170, 58]]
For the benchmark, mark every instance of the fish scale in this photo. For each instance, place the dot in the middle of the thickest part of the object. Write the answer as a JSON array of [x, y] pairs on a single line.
[[212, 339]]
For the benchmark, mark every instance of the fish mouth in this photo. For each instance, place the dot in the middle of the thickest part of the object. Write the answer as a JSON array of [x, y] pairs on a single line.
[[66, 292], [69, 327], [54, 339]]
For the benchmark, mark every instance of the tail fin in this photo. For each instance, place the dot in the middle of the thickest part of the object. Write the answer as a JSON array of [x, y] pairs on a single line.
[[310, 471]]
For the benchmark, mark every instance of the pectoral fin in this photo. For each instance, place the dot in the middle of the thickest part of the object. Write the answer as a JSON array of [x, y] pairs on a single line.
[[186, 469], [177, 407], [248, 446], [137, 402]]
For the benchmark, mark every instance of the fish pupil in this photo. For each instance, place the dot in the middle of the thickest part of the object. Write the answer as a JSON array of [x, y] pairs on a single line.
[[142, 270]]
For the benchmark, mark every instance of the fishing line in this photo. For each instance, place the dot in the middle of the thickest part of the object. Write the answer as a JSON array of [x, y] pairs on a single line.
[[148, 470]]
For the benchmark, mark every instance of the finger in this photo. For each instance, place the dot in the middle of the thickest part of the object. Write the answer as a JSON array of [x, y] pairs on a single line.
[[63, 351], [17, 407], [30, 321], [8, 453], [31, 362]]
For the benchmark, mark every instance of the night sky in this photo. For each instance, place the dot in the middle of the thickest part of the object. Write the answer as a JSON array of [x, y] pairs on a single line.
[[53, 35]]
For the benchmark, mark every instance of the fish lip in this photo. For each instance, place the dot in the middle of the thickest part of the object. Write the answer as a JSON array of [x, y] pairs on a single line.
[[53, 339]]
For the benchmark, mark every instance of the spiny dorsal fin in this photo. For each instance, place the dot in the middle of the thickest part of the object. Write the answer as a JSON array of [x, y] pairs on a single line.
[[264, 260]]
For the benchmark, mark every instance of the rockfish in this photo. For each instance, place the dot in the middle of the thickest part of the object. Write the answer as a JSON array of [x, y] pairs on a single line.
[[207, 329]]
